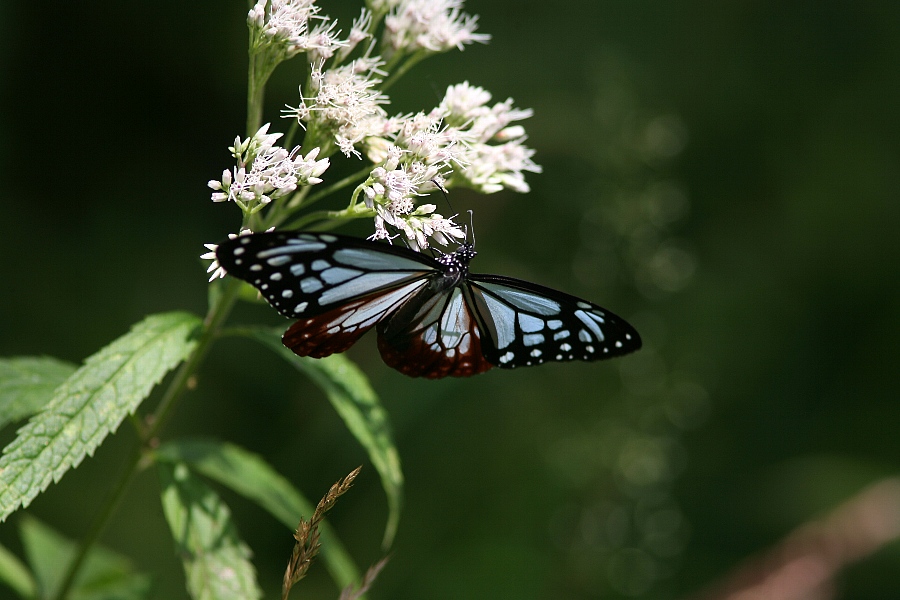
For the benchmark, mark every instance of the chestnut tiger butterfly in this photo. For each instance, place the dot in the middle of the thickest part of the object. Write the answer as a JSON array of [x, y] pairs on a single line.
[[433, 317]]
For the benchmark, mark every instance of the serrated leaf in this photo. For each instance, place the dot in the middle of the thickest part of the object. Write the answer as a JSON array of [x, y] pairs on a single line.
[[249, 475], [27, 384], [104, 576], [351, 395], [15, 575], [216, 561], [91, 404]]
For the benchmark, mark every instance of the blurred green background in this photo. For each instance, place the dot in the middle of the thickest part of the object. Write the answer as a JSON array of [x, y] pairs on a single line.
[[724, 175]]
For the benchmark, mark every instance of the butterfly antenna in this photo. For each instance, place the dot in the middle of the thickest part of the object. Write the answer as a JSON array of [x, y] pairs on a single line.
[[471, 226], [443, 191]]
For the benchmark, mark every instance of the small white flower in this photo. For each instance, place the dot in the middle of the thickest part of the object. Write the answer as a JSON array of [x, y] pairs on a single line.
[[430, 25], [492, 168], [422, 224], [463, 102], [215, 268], [288, 25], [262, 140], [381, 232], [359, 31], [392, 193], [493, 155], [308, 168], [466, 106], [346, 103], [425, 138], [274, 172], [360, 28], [322, 42]]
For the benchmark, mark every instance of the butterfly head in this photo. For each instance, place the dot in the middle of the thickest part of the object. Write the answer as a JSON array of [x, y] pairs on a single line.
[[458, 260]]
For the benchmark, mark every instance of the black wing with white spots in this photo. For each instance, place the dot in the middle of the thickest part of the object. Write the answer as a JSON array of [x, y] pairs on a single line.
[[529, 324], [434, 319]]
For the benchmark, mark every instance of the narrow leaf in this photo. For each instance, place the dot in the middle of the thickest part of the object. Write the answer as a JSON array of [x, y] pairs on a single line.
[[249, 475], [351, 395], [105, 574], [27, 384], [16, 575], [216, 561], [91, 404]]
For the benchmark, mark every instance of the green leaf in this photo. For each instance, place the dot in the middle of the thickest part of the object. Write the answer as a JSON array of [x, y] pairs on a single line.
[[249, 475], [16, 575], [106, 575], [27, 384], [349, 392], [216, 561], [91, 404]]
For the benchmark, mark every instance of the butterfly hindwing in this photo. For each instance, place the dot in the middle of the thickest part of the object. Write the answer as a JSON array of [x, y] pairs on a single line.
[[434, 335], [529, 324], [339, 328]]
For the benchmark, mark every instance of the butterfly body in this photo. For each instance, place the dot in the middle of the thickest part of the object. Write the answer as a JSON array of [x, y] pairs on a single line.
[[433, 317]]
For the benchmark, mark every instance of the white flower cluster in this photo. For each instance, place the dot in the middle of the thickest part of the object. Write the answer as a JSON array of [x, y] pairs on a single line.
[[391, 193], [345, 103], [463, 142], [429, 25], [289, 26], [415, 156], [274, 172], [494, 155]]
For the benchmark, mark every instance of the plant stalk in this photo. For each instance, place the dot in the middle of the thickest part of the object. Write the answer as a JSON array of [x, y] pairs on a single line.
[[211, 325]]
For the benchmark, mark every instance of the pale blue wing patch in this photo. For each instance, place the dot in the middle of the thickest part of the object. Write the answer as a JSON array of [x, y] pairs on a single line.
[[292, 247], [377, 261], [455, 321], [336, 275], [504, 321], [365, 313], [528, 301], [592, 321], [362, 285], [530, 324]]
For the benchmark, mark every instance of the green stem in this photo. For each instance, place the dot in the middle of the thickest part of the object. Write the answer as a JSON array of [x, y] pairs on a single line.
[[308, 218], [333, 218], [216, 316], [99, 524], [330, 189], [291, 133], [256, 89], [402, 69], [211, 324]]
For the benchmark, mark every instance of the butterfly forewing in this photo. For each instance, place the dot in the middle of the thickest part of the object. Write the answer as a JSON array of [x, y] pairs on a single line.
[[338, 287], [529, 324], [306, 274]]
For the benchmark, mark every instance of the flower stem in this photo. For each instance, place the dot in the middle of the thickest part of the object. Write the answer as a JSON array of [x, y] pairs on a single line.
[[255, 92], [330, 189], [99, 524], [211, 325], [402, 69], [216, 316]]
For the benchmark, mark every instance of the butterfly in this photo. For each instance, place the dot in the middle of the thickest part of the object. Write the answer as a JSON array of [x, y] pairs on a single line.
[[434, 318]]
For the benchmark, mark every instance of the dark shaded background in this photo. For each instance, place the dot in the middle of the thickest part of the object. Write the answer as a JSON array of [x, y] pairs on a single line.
[[725, 175]]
